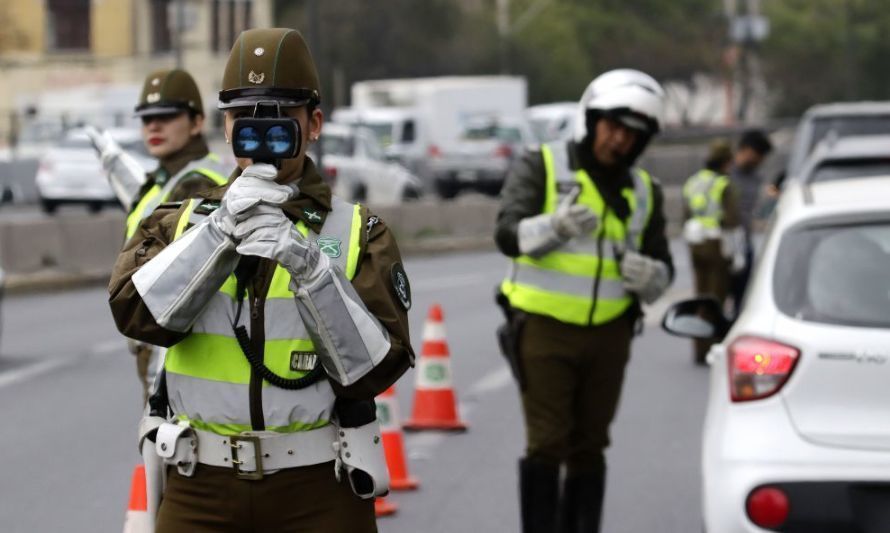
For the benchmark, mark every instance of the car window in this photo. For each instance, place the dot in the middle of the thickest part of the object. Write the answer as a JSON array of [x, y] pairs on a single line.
[[408, 134], [381, 130], [845, 126], [850, 168], [370, 147], [338, 145], [836, 275], [509, 134]]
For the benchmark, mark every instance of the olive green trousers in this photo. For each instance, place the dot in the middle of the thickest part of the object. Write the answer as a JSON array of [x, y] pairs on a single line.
[[307, 499], [573, 380]]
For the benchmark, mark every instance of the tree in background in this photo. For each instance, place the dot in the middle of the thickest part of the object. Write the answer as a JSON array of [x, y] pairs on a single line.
[[826, 50]]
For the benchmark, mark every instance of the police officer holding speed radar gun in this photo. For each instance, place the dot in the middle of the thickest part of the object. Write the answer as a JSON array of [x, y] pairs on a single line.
[[285, 313], [586, 232]]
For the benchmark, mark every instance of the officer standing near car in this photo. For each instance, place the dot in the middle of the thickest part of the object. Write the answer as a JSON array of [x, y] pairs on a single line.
[[586, 232], [285, 313], [712, 230], [172, 115]]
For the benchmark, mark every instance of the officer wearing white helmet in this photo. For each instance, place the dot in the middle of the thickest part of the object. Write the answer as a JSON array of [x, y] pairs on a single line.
[[586, 234]]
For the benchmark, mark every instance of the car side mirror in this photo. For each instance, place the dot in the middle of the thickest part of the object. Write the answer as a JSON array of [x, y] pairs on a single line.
[[698, 318]]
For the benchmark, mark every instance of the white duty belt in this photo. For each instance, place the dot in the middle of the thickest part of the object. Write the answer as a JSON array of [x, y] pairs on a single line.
[[251, 455]]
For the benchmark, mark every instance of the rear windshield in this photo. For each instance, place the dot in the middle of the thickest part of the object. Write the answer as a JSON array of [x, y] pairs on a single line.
[[501, 133], [845, 126], [835, 275], [338, 145], [851, 168]]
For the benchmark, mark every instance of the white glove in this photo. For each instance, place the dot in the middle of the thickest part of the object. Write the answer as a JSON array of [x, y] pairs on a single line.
[[644, 276], [571, 220], [105, 146], [256, 185], [275, 237]]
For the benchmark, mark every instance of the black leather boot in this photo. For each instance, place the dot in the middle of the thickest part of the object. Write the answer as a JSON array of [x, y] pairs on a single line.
[[538, 496], [582, 502]]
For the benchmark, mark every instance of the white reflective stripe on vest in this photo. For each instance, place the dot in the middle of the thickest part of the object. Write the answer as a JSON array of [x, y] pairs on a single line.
[[227, 403], [219, 315], [553, 281]]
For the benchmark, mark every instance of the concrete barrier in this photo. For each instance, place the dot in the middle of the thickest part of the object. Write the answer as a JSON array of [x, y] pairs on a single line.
[[70, 249]]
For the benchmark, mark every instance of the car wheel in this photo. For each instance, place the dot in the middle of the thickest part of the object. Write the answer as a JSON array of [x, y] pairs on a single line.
[[7, 197], [49, 206], [94, 207], [447, 189], [359, 193], [410, 193]]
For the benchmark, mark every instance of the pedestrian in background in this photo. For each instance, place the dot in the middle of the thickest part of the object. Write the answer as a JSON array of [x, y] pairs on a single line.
[[712, 231], [586, 232], [753, 148], [172, 116]]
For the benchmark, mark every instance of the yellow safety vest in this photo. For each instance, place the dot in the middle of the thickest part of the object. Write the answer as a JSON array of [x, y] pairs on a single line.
[[580, 282], [208, 165], [703, 193]]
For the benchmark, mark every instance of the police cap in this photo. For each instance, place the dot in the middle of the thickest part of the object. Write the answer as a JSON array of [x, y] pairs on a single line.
[[270, 64], [169, 91]]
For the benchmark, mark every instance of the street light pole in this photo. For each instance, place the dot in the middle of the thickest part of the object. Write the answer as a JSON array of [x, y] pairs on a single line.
[[180, 22]]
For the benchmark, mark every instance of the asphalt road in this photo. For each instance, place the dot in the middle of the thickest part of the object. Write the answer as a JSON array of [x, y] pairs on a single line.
[[69, 400]]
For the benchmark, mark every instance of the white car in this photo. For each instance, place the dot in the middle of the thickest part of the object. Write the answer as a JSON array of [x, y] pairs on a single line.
[[354, 165], [797, 431], [71, 173], [552, 122]]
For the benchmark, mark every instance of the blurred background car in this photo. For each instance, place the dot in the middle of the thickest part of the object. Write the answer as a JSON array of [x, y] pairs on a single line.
[[481, 157], [797, 431], [552, 122], [354, 165], [70, 172]]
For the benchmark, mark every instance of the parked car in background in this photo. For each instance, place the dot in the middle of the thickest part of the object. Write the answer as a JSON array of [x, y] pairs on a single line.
[[354, 165], [797, 431], [71, 173], [552, 122], [481, 157], [396, 131], [843, 119]]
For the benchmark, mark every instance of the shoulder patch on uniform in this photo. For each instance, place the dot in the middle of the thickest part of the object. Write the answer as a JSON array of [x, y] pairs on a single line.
[[401, 285]]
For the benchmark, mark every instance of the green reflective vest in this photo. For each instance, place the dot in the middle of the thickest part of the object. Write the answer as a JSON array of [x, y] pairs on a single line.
[[208, 165], [208, 375], [580, 282], [703, 193]]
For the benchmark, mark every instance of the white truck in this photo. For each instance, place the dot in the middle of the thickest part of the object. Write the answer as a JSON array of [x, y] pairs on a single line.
[[429, 119]]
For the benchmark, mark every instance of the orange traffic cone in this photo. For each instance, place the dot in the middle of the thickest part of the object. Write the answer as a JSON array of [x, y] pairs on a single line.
[[383, 507], [137, 519], [435, 405], [388, 417]]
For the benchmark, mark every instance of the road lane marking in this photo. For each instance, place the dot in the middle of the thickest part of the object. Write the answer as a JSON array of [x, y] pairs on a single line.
[[421, 445], [34, 370], [449, 282]]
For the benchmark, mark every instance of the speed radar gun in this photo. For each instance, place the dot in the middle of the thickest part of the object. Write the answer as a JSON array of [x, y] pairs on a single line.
[[125, 175], [267, 137]]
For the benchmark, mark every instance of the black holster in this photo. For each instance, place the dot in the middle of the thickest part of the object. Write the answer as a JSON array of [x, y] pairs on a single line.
[[509, 334]]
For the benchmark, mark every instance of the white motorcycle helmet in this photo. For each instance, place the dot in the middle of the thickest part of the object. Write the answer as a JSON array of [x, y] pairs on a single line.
[[628, 95]]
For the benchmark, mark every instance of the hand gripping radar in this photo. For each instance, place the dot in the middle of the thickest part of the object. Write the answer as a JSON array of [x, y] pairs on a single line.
[[267, 137]]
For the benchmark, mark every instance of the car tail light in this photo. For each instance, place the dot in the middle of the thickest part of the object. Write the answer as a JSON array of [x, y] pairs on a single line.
[[45, 166], [433, 151], [768, 507], [503, 150], [759, 367], [330, 174]]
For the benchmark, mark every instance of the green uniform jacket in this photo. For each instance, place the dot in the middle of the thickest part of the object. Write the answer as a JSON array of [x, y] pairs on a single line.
[[373, 281]]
